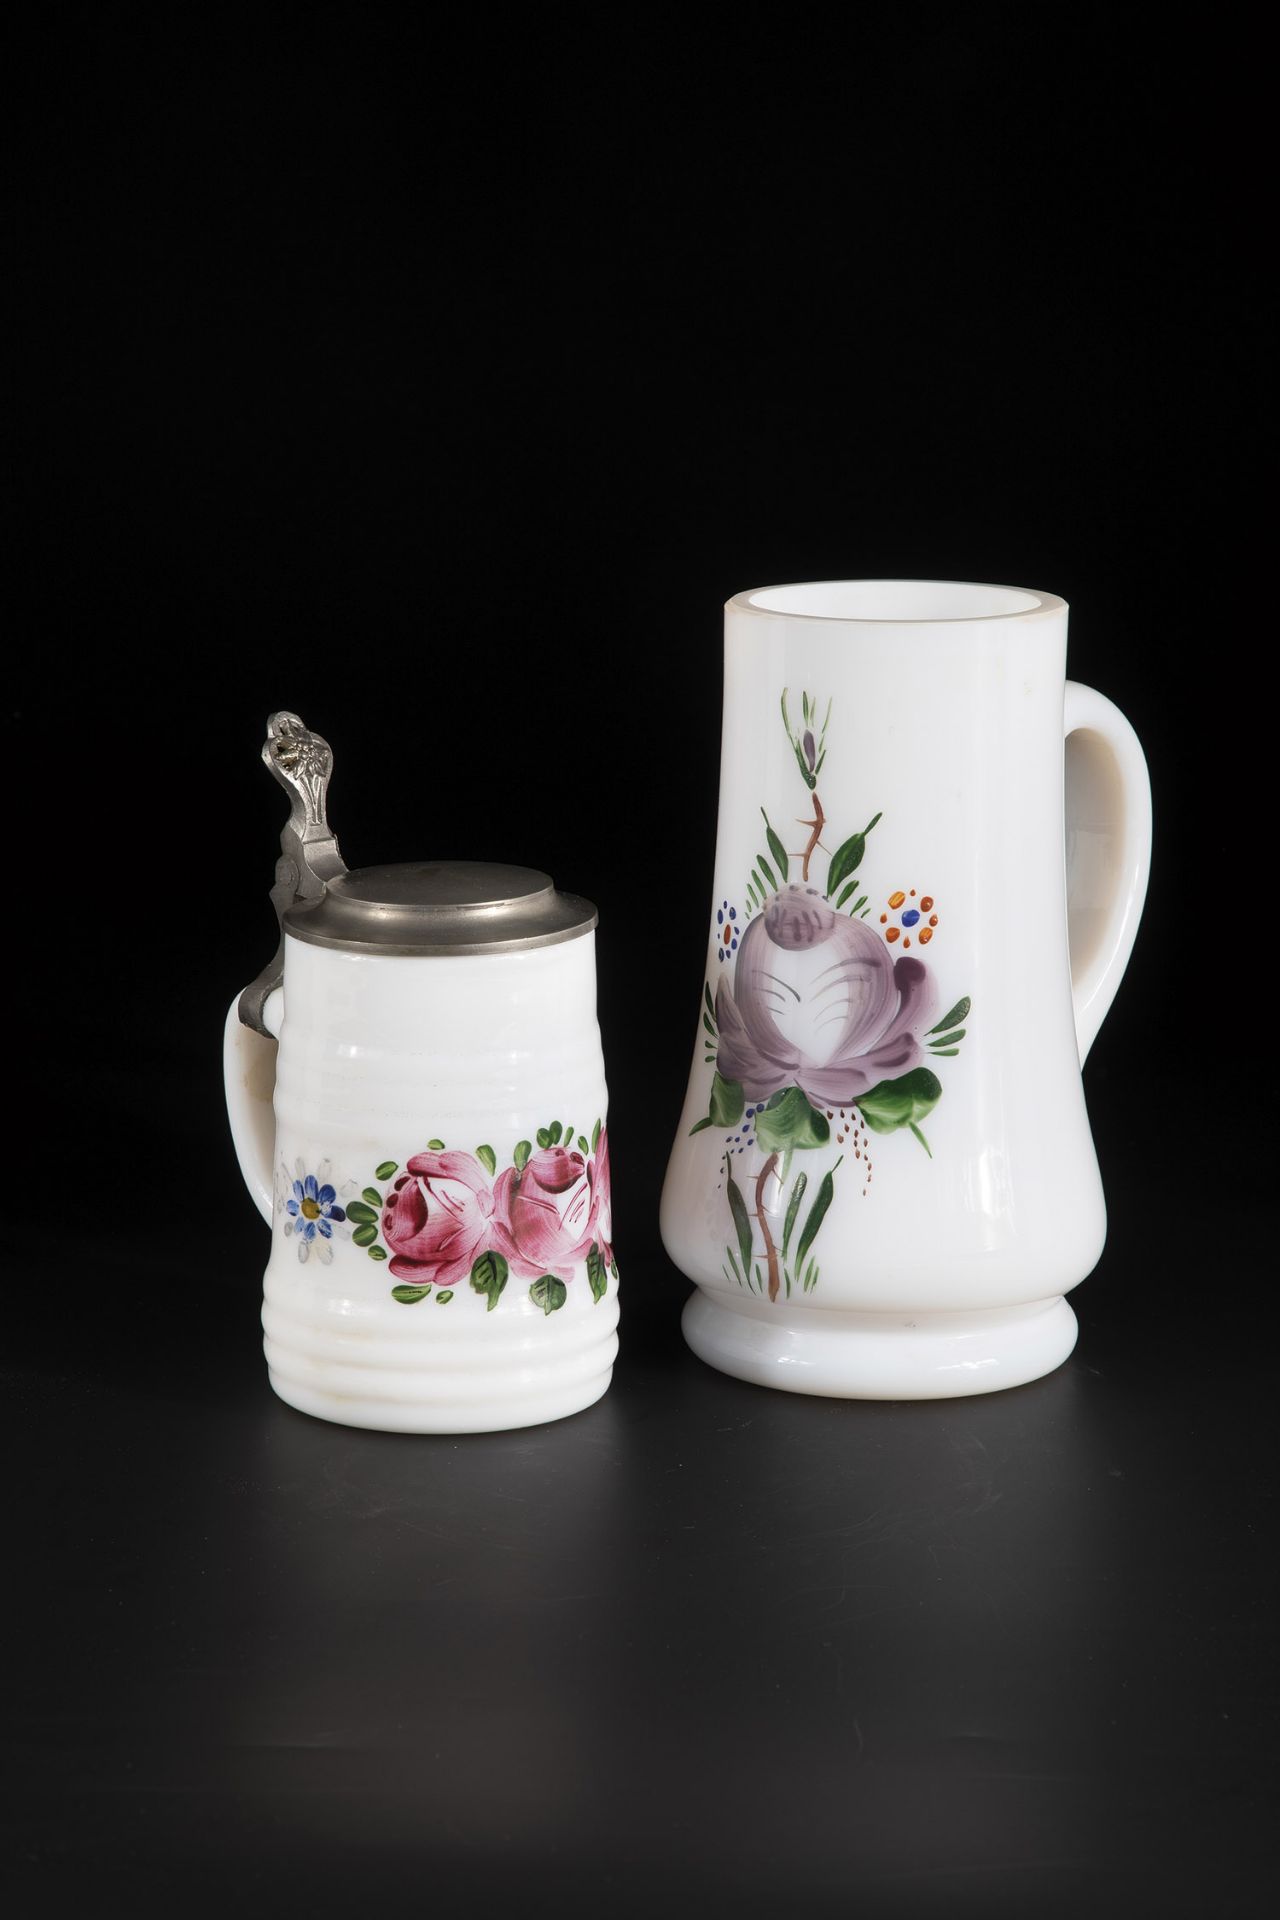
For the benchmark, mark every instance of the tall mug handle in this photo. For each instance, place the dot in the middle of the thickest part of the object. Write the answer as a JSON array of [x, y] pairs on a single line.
[[249, 1079], [1108, 850]]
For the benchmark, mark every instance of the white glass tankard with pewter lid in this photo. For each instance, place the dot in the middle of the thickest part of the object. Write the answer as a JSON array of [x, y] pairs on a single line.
[[417, 1098]]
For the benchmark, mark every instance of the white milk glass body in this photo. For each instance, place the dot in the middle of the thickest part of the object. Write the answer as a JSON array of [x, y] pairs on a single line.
[[459, 1062], [899, 1032]]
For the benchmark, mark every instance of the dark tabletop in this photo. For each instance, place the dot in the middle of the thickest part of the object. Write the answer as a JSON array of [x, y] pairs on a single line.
[[702, 1643]]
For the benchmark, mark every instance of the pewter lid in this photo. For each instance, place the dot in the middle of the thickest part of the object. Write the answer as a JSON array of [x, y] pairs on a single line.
[[440, 907], [422, 907]]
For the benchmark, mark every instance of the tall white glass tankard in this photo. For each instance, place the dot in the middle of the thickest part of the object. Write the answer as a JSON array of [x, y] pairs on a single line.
[[884, 1182]]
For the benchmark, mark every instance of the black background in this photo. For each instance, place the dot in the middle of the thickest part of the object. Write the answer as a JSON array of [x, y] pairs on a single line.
[[441, 384]]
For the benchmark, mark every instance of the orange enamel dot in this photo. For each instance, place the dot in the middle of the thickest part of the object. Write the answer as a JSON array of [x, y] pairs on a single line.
[[926, 935], [892, 935], [883, 918], [913, 893], [933, 919], [896, 899], [926, 903], [907, 941]]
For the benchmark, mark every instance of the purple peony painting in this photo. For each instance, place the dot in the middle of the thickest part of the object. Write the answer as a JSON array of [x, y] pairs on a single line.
[[817, 1032], [819, 1002]]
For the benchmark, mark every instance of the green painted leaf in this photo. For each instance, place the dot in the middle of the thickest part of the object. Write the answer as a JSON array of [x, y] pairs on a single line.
[[377, 1253], [706, 994], [361, 1214], [443, 1299], [521, 1155], [817, 1214], [364, 1236], [488, 1159], [584, 1145], [733, 1263], [409, 1296], [489, 1277], [741, 1218], [554, 1131], [543, 1137], [851, 888], [435, 1146], [804, 707], [776, 847], [786, 718], [859, 903], [613, 1269], [945, 1053], [595, 1135], [727, 1101], [374, 1198], [548, 1293], [789, 1121], [699, 1126], [385, 1171], [710, 1025], [597, 1273], [949, 1039], [846, 860], [767, 871], [902, 1102], [923, 1142], [793, 1208], [959, 1012]]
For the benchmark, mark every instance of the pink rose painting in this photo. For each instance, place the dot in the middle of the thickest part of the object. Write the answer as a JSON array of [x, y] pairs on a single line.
[[451, 1220], [601, 1200], [436, 1218], [543, 1210], [551, 1212]]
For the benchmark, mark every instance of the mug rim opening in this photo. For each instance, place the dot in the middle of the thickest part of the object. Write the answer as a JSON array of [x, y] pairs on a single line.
[[831, 601]]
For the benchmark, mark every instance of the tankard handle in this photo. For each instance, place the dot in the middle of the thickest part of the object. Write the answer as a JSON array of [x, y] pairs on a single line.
[[249, 1077], [1108, 850]]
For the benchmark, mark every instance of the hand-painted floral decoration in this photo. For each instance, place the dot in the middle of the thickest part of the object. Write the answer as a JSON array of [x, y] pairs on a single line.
[[312, 1215], [912, 917], [727, 931], [819, 1023], [448, 1220]]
